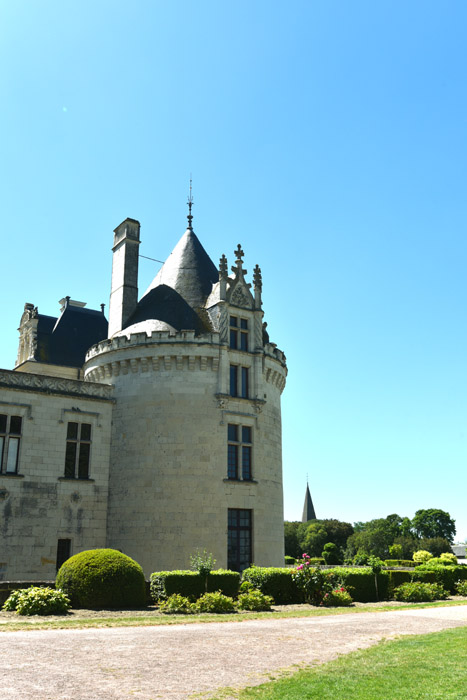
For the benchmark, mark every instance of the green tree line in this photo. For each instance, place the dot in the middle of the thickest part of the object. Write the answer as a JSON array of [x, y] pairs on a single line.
[[392, 537]]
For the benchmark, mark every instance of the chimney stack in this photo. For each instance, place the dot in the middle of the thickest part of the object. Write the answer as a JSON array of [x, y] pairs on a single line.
[[124, 292]]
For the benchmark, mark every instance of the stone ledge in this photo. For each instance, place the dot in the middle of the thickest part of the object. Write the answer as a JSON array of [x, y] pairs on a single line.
[[55, 385]]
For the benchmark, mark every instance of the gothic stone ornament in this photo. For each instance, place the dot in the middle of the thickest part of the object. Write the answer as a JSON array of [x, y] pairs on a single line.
[[240, 297]]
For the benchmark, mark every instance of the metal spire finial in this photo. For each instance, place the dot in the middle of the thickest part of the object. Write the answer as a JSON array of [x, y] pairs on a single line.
[[190, 204]]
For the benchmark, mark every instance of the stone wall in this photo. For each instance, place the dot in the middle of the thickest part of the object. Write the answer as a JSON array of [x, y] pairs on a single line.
[[168, 493], [38, 505]]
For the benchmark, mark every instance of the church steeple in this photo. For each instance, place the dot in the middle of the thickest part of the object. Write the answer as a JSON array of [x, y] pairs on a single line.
[[308, 509]]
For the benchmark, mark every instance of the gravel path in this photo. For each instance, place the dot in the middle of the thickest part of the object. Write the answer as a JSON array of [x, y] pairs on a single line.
[[173, 663]]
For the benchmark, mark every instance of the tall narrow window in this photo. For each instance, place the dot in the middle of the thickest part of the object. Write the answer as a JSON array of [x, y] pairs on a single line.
[[238, 333], [63, 552], [10, 437], [239, 550], [239, 448], [240, 381], [245, 391], [78, 450]]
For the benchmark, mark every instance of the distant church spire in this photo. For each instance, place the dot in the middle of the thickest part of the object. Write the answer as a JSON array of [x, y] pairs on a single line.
[[190, 204], [308, 509]]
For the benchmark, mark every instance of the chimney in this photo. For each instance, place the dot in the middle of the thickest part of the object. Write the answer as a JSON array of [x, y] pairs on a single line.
[[124, 292]]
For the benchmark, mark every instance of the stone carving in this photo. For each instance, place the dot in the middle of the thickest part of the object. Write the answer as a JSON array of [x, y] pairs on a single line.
[[56, 385], [240, 297]]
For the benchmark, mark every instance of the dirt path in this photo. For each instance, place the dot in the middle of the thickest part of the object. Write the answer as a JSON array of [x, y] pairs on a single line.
[[173, 663]]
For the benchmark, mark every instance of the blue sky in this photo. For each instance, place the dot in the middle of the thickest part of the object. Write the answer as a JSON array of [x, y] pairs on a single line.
[[330, 139]]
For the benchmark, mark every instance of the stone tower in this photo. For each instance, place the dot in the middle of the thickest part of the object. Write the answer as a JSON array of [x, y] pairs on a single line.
[[196, 432]]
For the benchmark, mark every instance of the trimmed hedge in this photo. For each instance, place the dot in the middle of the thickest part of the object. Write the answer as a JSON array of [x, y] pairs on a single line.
[[447, 576], [361, 583], [102, 579], [279, 583], [400, 562], [396, 578], [189, 583], [276, 582]]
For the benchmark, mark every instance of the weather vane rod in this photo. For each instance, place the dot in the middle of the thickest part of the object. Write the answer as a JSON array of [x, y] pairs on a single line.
[[190, 204]]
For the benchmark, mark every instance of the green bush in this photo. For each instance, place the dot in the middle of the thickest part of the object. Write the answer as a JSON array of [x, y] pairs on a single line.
[[418, 592], [338, 597], [313, 581], [289, 561], [317, 561], [400, 562], [446, 575], [397, 577], [361, 583], [461, 587], [102, 579], [38, 600], [215, 602], [422, 556], [275, 582], [191, 584], [176, 604], [448, 557], [254, 600], [331, 553]]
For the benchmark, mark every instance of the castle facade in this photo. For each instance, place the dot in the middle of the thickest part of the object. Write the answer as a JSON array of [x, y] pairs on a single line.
[[157, 434]]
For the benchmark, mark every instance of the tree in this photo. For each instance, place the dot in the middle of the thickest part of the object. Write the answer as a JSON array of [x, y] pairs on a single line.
[[433, 522], [436, 545], [291, 546], [313, 535], [330, 553], [409, 545]]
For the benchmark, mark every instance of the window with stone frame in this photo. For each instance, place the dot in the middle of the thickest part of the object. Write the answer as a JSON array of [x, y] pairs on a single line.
[[10, 438], [240, 538], [239, 452], [238, 333], [78, 450], [239, 381]]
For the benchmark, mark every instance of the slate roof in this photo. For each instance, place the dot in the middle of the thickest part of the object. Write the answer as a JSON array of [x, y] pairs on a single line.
[[308, 508], [66, 339], [177, 295]]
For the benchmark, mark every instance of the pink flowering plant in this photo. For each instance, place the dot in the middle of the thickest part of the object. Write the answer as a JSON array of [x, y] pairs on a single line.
[[319, 586], [338, 597]]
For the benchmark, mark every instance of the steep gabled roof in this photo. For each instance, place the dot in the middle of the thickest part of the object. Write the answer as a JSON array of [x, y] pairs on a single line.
[[308, 509]]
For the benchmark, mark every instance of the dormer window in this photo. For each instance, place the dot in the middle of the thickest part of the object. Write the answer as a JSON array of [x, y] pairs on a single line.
[[238, 333]]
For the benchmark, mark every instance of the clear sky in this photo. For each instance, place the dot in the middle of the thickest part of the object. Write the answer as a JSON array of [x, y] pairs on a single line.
[[330, 139]]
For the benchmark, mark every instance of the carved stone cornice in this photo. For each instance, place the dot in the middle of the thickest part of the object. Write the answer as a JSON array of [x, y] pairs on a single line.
[[54, 385]]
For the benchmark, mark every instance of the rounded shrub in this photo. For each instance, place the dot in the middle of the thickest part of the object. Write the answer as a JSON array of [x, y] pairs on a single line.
[[422, 556], [101, 579]]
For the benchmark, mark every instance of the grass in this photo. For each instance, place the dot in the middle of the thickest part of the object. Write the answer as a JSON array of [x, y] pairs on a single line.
[[428, 667], [13, 623]]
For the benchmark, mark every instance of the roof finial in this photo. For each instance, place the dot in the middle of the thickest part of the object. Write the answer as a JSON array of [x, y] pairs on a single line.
[[190, 204]]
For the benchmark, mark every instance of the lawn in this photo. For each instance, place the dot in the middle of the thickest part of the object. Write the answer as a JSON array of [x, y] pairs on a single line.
[[428, 667]]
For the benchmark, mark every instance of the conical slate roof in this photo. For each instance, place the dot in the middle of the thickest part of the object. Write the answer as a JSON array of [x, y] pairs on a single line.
[[308, 509], [176, 297], [189, 270]]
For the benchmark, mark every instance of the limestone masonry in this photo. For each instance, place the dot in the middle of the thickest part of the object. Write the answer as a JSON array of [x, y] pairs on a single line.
[[157, 434]]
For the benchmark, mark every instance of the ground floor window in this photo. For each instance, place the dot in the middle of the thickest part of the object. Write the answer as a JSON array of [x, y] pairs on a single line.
[[239, 554], [63, 552]]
